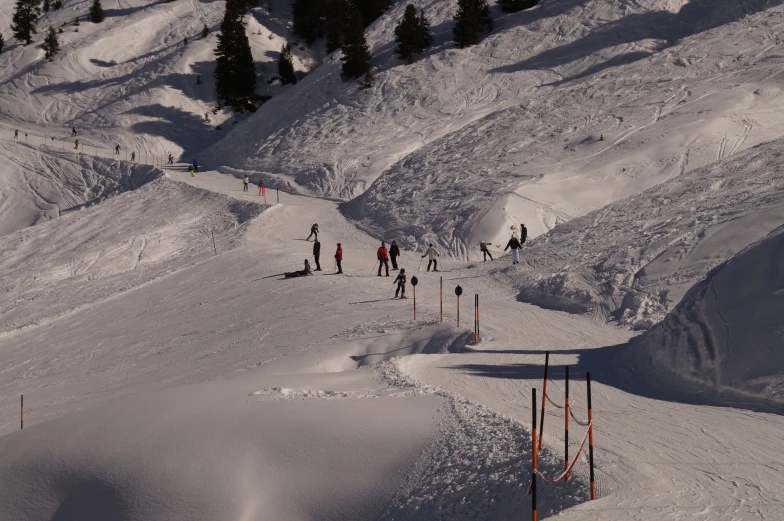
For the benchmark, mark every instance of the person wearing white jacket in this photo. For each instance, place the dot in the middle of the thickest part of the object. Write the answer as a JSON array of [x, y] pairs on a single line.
[[432, 258]]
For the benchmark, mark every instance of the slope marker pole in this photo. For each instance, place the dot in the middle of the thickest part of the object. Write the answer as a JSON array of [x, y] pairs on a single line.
[[544, 397], [566, 422], [533, 454], [590, 435]]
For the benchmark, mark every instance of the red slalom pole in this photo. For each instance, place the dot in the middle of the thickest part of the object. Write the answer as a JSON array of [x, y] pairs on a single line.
[[544, 397], [590, 436], [533, 455]]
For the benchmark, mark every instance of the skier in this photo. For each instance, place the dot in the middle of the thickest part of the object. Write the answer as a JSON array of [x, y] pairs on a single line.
[[339, 258], [245, 183], [190, 171], [133, 156], [485, 251], [401, 283], [317, 254], [16, 134], [76, 145], [432, 258], [261, 188], [73, 131], [383, 259], [195, 166], [313, 231], [300, 273], [514, 243], [394, 253], [117, 149], [171, 159], [523, 233]]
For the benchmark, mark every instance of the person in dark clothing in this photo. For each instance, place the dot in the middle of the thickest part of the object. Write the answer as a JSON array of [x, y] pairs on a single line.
[[300, 273], [339, 258], [394, 253], [313, 231], [245, 183], [401, 283], [195, 166], [316, 254], [485, 251], [73, 131], [514, 243], [383, 259], [523, 233]]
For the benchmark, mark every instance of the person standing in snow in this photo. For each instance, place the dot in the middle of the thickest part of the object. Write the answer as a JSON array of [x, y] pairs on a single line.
[[117, 149], [339, 258], [432, 258], [195, 166], [401, 283], [245, 183], [313, 231], [383, 258], [171, 159], [16, 134], [514, 243], [394, 253], [190, 171], [76, 145], [485, 251], [523, 233], [133, 156], [317, 254], [261, 189], [73, 131]]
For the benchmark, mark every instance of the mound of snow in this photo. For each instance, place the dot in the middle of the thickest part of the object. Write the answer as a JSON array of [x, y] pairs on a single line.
[[727, 332]]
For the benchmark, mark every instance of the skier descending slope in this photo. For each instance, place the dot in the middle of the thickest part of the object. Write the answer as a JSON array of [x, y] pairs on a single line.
[[394, 253], [171, 159], [401, 283], [485, 251], [73, 131], [514, 243], [317, 254], [314, 231], [432, 258], [383, 259], [339, 258]]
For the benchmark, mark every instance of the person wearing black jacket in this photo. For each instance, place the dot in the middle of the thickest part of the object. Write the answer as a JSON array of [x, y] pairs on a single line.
[[514, 243], [401, 283], [394, 253], [523, 233], [316, 253]]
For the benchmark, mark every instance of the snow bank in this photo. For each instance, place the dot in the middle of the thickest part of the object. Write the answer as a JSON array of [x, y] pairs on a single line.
[[726, 333]]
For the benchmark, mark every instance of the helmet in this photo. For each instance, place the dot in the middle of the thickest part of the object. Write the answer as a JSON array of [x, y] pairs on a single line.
[[402, 270], [338, 244]]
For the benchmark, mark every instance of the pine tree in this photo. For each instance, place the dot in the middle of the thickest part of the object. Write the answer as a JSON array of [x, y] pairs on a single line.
[[371, 10], [58, 4], [412, 34], [356, 55], [513, 6], [25, 16], [308, 19], [235, 70], [96, 12], [46, 6], [286, 66], [473, 16], [51, 45], [335, 22], [185, 41], [205, 31]]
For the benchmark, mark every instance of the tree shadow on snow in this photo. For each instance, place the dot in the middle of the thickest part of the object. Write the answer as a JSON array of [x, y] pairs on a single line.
[[172, 123], [627, 367]]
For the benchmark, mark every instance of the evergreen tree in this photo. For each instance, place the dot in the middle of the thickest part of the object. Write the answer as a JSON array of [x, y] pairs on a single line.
[[412, 34], [308, 19], [473, 16], [286, 66], [356, 55], [2, 42], [513, 6], [96, 12], [185, 41], [235, 70], [335, 22], [58, 4], [25, 16], [46, 6], [205, 31], [51, 45], [371, 10]]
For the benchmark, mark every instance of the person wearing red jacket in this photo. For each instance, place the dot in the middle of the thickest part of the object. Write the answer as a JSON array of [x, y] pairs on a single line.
[[339, 258], [383, 258]]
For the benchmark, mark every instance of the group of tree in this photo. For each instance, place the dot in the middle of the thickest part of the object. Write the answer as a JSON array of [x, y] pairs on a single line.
[[235, 70], [313, 19], [286, 66], [412, 34]]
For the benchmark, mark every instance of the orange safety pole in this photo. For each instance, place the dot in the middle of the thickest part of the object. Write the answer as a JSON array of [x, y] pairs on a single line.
[[590, 435], [544, 397], [566, 422], [414, 302], [533, 455]]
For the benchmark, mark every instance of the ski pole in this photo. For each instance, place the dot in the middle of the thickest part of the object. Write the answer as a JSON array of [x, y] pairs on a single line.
[[420, 264], [374, 268]]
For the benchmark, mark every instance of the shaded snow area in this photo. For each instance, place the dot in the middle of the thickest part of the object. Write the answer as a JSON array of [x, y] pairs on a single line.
[[637, 257], [727, 331]]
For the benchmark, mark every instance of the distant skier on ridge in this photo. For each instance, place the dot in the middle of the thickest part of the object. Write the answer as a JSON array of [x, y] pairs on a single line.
[[432, 258]]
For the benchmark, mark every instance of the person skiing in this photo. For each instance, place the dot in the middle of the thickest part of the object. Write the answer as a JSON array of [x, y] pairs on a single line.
[[432, 258], [313, 231], [190, 171], [73, 131], [317, 254], [401, 283], [195, 166], [171, 159], [16, 134], [76, 145], [301, 273], [339, 258], [245, 183], [383, 258], [117, 149], [514, 243], [523, 233], [485, 251], [394, 253], [261, 188], [133, 156]]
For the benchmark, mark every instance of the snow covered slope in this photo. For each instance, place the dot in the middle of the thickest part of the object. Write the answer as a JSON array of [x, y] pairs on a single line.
[[559, 111], [726, 333]]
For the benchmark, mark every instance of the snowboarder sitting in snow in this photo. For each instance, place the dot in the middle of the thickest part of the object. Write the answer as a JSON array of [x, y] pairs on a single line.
[[300, 273], [432, 258], [394, 253], [401, 283], [339, 258], [383, 259], [245, 183], [514, 243], [314, 231], [485, 251]]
